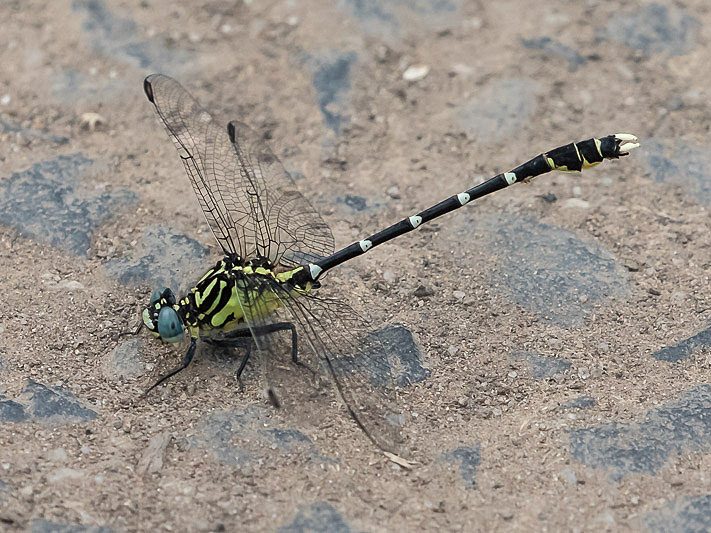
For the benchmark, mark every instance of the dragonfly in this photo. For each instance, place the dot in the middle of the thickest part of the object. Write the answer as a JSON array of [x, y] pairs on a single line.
[[263, 295]]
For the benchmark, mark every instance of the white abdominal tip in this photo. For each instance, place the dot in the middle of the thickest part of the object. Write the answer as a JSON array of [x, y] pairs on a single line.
[[625, 148], [625, 137]]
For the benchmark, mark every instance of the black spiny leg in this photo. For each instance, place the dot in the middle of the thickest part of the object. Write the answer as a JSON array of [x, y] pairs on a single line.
[[270, 328], [186, 361], [131, 331]]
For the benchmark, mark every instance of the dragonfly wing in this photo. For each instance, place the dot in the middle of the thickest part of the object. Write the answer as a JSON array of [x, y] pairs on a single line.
[[250, 202], [284, 226], [354, 360], [336, 347], [207, 155]]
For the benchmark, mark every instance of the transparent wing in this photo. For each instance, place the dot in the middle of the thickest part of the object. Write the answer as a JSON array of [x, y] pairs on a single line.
[[206, 153], [283, 226], [334, 346], [249, 200], [355, 360]]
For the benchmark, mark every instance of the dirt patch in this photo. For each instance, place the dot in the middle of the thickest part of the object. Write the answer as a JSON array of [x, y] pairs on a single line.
[[555, 335]]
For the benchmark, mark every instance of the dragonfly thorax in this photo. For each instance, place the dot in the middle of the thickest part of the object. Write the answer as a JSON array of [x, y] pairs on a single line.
[[232, 290]]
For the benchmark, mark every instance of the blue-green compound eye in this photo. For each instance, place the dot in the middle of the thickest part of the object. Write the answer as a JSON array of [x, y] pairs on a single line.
[[170, 328], [156, 295]]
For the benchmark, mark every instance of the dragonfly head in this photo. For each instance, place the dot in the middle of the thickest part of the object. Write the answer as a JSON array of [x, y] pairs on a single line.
[[161, 317]]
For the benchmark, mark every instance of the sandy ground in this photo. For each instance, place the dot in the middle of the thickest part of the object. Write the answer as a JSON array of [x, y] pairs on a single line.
[[556, 334]]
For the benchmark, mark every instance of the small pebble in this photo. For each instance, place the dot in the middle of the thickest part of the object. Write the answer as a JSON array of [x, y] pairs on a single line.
[[91, 121], [5, 99], [415, 72], [423, 292], [57, 455], [575, 203], [118, 424], [389, 275], [67, 285], [452, 350], [513, 374], [459, 295], [463, 402]]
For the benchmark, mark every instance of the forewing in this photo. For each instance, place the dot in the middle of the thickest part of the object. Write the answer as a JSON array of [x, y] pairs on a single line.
[[207, 155], [282, 225]]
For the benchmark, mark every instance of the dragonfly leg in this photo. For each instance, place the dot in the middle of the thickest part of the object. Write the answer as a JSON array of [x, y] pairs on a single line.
[[264, 330], [269, 328], [131, 331], [187, 358]]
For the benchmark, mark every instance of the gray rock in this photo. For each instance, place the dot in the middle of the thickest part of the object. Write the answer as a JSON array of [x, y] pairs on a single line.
[[545, 268], [124, 361], [655, 29], [237, 436], [151, 462], [8, 126], [47, 526], [119, 38], [50, 203], [11, 411], [685, 348], [356, 203], [316, 518], [468, 459], [391, 20], [54, 405], [556, 48], [680, 163], [685, 515], [332, 81], [163, 257], [581, 402], [398, 342], [632, 447], [388, 353], [540, 366]]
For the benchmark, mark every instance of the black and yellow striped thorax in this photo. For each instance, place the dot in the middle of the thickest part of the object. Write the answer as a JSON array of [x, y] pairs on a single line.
[[234, 289]]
